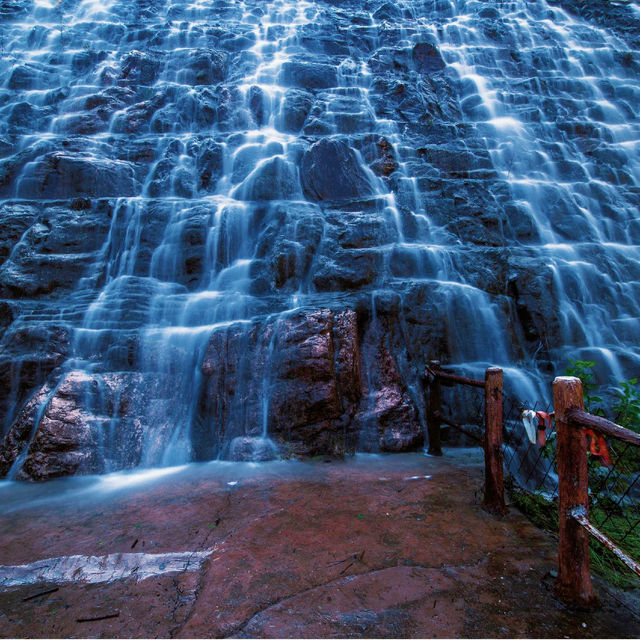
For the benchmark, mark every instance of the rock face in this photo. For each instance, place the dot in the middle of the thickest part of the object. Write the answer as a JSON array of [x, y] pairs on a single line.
[[85, 424], [240, 231], [317, 400], [331, 171]]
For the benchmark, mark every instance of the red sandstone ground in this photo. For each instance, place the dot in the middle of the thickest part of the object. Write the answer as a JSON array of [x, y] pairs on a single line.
[[351, 549]]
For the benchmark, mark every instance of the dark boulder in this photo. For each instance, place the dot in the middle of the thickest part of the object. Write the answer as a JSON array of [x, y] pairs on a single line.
[[54, 251], [209, 163], [63, 175], [86, 60], [273, 179], [331, 170], [303, 374], [295, 108], [308, 75], [252, 450], [256, 101], [29, 352], [387, 12], [140, 69], [200, 66], [15, 219], [427, 58], [27, 118], [32, 75]]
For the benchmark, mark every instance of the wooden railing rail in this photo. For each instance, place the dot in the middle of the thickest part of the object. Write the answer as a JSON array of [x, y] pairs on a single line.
[[579, 418], [449, 378]]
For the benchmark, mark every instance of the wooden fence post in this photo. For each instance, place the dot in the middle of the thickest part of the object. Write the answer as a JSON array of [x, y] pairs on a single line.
[[433, 411], [493, 471], [573, 584]]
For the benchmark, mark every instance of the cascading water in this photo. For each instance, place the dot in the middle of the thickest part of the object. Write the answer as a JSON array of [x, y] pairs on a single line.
[[239, 230]]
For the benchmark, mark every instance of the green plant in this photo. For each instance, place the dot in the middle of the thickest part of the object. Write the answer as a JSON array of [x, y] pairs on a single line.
[[582, 369], [627, 409], [602, 560]]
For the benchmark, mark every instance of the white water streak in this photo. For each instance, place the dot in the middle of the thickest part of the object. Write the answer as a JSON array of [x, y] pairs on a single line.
[[96, 569]]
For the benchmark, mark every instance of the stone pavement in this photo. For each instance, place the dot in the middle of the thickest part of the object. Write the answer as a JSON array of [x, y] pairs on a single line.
[[377, 546]]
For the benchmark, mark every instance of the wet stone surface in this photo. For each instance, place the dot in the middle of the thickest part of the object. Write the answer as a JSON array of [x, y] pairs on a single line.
[[381, 546]]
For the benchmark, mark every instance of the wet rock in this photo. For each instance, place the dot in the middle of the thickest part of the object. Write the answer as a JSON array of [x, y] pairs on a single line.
[[63, 175], [210, 156], [390, 60], [295, 108], [15, 219], [6, 316], [347, 270], [230, 111], [200, 66], [388, 12], [11, 9], [26, 117], [385, 164], [273, 179], [540, 323], [64, 428], [109, 100], [331, 170], [426, 58], [308, 75], [29, 352], [139, 117], [86, 60], [387, 419], [5, 147], [140, 69], [252, 450], [257, 105], [306, 372], [32, 75], [19, 437], [54, 251]]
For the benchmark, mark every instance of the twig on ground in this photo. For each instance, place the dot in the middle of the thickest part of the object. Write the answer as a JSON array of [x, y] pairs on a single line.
[[105, 616], [40, 593]]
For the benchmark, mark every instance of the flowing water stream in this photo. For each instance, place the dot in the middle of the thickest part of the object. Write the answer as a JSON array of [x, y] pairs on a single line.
[[234, 226]]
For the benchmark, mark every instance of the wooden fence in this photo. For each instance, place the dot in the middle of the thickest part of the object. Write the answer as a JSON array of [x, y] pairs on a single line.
[[573, 584], [492, 437]]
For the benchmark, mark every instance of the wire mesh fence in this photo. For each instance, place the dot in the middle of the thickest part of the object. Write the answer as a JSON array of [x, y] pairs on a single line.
[[531, 473], [531, 481], [465, 407], [532, 468]]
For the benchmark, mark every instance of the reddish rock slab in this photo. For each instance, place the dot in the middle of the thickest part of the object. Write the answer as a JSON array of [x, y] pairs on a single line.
[[379, 546]]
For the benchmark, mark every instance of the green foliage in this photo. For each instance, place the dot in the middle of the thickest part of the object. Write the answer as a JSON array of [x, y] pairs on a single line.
[[542, 512], [602, 560], [582, 369], [627, 408]]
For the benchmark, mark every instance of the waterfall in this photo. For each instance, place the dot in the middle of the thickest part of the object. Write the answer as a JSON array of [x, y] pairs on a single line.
[[238, 230]]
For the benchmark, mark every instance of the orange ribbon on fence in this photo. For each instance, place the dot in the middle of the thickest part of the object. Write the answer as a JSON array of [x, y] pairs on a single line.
[[598, 446], [544, 423]]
